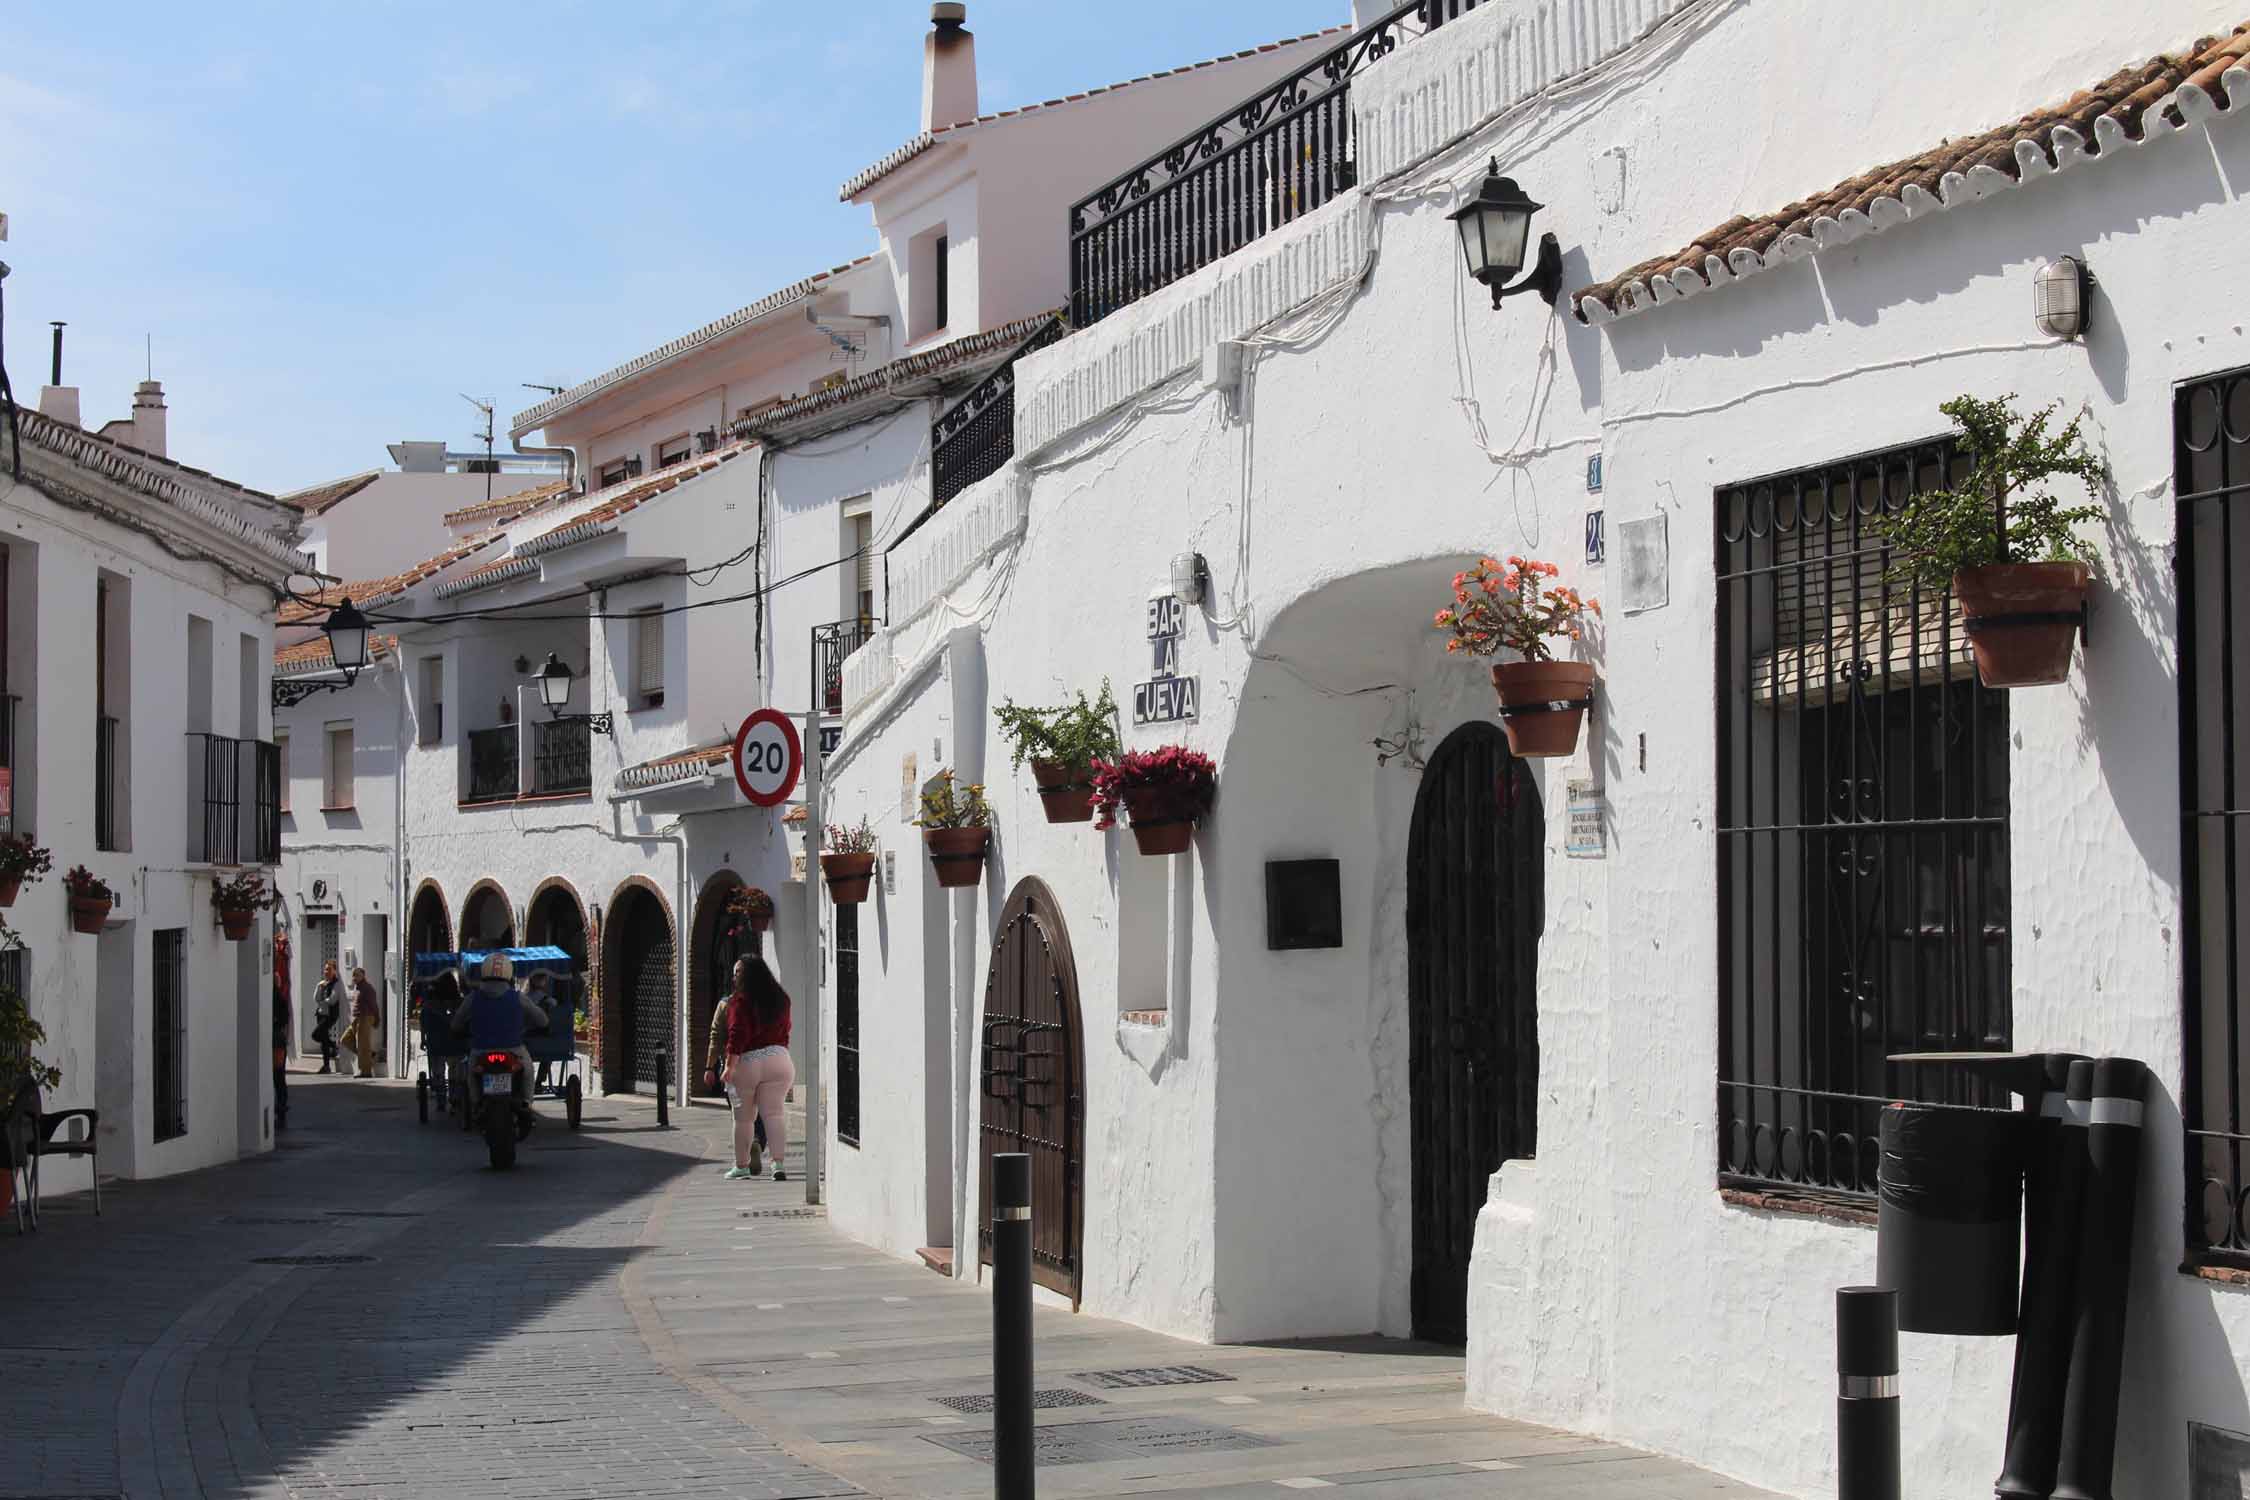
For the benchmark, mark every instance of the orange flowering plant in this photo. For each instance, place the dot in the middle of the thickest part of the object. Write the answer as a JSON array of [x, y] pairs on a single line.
[[1514, 604]]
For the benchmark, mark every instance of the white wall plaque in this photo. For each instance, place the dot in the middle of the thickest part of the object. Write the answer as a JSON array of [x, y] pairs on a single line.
[[1644, 564], [1583, 837]]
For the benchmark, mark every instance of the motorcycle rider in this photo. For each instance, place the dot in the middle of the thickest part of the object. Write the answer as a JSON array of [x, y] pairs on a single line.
[[494, 1018]]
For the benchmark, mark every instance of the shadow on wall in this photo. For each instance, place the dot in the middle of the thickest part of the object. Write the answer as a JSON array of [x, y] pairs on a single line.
[[2128, 702]]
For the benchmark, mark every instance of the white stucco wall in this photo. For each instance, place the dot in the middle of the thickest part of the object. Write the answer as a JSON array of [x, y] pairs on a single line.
[[398, 520]]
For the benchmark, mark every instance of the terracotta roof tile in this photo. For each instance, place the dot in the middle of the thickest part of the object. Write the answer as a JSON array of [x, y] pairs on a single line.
[[505, 508], [370, 591], [860, 182], [314, 655], [677, 766], [899, 372], [2131, 107], [321, 497]]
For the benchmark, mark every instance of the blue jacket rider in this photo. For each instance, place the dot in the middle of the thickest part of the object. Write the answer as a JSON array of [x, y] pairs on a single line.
[[496, 1016]]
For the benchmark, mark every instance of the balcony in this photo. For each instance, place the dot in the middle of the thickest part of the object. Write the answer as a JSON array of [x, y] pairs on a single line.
[[233, 801], [493, 775], [106, 767], [562, 758], [1263, 164], [9, 702], [831, 644], [977, 434]]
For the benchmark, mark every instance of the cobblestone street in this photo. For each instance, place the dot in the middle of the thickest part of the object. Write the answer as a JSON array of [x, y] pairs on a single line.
[[613, 1318]]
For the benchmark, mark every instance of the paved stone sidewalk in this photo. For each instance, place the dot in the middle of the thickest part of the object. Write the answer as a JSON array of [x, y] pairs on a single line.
[[614, 1318]]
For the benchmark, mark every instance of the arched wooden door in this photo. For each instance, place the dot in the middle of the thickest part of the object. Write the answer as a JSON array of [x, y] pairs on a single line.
[[1033, 1083], [1474, 912]]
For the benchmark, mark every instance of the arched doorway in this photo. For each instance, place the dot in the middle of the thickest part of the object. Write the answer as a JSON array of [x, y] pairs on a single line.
[[486, 920], [638, 988], [1474, 913], [555, 919], [1034, 1083], [428, 927], [716, 941]]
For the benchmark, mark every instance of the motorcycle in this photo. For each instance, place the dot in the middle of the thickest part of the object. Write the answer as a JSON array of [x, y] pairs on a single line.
[[504, 1118]]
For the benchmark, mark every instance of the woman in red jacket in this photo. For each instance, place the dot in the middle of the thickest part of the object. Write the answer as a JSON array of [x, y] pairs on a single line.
[[759, 1069]]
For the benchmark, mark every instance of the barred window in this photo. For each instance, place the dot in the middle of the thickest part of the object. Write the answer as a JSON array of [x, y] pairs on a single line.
[[168, 1063], [847, 1024], [2211, 478], [1862, 826]]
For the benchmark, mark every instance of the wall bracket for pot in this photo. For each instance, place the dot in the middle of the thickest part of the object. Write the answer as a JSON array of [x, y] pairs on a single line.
[[1557, 706], [2082, 617]]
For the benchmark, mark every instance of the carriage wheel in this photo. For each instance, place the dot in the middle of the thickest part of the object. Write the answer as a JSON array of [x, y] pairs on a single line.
[[574, 1098]]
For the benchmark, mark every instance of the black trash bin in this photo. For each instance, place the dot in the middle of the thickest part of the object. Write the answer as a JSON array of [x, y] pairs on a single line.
[[1949, 1220]]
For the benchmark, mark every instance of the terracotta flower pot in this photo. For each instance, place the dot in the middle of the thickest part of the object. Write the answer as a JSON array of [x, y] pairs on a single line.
[[1066, 792], [849, 876], [957, 854], [1526, 688], [88, 913], [1164, 819], [236, 924], [9, 885], [2022, 653]]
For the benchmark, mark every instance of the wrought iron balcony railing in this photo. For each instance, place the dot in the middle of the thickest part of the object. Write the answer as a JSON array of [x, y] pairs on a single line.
[[1273, 158], [831, 644], [562, 757], [234, 800], [105, 781], [977, 434], [493, 774]]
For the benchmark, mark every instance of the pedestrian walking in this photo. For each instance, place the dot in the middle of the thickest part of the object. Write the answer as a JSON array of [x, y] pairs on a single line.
[[328, 1009], [758, 1064], [367, 1020], [714, 1063], [280, 1053]]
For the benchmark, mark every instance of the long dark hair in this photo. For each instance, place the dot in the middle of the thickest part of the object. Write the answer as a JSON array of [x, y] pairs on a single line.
[[769, 1002]]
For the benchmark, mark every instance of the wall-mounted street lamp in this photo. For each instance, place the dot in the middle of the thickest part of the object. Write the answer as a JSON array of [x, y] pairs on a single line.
[[554, 681], [2060, 297], [348, 633], [1495, 230]]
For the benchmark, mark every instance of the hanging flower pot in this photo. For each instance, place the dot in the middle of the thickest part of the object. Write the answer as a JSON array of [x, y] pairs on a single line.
[[957, 854], [20, 860], [1166, 792], [1065, 791], [88, 913], [236, 924], [2022, 618], [849, 876], [1543, 705], [1164, 819], [9, 885]]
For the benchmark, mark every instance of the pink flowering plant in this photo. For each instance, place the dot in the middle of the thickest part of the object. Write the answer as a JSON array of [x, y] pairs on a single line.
[[1175, 770], [1514, 604], [851, 838]]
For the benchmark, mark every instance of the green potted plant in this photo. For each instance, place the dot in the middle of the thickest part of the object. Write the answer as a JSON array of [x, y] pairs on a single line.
[[1063, 743], [1515, 604], [2000, 540], [20, 1035], [1167, 791], [848, 863], [90, 900], [20, 860], [956, 824], [748, 906], [238, 902]]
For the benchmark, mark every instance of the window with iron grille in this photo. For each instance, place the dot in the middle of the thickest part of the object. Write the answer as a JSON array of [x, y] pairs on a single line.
[[2211, 483], [15, 971], [847, 1024], [168, 1027], [1862, 826]]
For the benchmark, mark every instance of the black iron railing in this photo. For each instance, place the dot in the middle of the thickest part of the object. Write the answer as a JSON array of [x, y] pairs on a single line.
[[1271, 159], [831, 644], [105, 781], [977, 434], [215, 811], [8, 705], [562, 757], [267, 771], [492, 765]]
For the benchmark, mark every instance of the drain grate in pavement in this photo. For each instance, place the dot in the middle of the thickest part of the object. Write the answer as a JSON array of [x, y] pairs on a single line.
[[1096, 1442], [782, 1213], [1133, 1380], [264, 1222], [311, 1260], [981, 1401]]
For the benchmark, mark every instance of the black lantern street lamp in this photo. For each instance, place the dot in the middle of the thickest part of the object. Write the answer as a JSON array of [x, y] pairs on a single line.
[[348, 635], [554, 679], [1495, 229]]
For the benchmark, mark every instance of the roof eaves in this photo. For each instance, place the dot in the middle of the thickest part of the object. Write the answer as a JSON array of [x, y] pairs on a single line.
[[492, 575], [886, 380]]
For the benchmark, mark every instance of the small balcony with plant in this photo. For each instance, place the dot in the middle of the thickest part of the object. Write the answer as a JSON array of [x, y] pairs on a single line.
[[531, 735]]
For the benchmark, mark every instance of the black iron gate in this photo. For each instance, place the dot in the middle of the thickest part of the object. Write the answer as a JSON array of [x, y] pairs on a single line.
[[1033, 1083], [1474, 912]]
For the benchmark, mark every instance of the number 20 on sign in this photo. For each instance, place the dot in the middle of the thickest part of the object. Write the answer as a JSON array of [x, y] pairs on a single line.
[[768, 757]]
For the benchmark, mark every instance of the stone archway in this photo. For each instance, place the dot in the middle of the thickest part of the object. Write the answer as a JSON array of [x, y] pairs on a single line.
[[1033, 1083], [639, 990], [487, 921], [557, 918]]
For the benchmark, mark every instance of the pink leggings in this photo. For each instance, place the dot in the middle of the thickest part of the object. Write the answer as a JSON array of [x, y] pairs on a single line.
[[760, 1080]]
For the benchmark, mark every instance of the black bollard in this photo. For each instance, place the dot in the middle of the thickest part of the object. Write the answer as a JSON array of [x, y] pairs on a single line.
[[2113, 1174], [1013, 1476], [663, 1091], [2054, 1190], [1867, 1464]]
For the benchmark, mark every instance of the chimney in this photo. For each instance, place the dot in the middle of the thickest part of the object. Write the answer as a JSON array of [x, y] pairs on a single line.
[[949, 67], [149, 417], [57, 400]]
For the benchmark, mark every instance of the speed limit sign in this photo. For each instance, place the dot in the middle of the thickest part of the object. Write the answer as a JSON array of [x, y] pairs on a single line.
[[767, 757]]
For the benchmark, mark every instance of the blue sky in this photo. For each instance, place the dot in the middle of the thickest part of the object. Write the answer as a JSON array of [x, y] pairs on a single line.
[[334, 218]]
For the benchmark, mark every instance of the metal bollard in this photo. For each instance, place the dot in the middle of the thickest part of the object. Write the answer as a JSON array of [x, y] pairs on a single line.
[[663, 1091], [2097, 1349], [2052, 1214], [1867, 1461], [1013, 1468]]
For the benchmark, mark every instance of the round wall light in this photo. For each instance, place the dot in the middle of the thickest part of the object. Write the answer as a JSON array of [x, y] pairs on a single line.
[[2060, 297]]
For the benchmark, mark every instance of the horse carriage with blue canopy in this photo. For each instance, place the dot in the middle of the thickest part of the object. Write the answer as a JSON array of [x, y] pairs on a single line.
[[554, 1050]]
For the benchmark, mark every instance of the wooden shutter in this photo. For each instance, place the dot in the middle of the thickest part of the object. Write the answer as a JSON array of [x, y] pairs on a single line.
[[649, 652], [340, 790], [863, 543]]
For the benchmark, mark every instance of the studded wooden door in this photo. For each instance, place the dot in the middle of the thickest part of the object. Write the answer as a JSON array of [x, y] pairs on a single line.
[[1033, 1071], [1474, 912]]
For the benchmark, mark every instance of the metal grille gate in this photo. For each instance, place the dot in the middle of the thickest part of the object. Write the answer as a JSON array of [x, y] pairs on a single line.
[[1474, 913], [1033, 1083], [645, 950]]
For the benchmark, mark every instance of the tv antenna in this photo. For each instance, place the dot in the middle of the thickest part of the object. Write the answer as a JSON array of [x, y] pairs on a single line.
[[533, 385], [484, 404]]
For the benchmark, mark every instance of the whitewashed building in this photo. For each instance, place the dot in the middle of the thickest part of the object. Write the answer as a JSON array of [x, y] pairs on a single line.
[[136, 627], [1568, 1079]]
